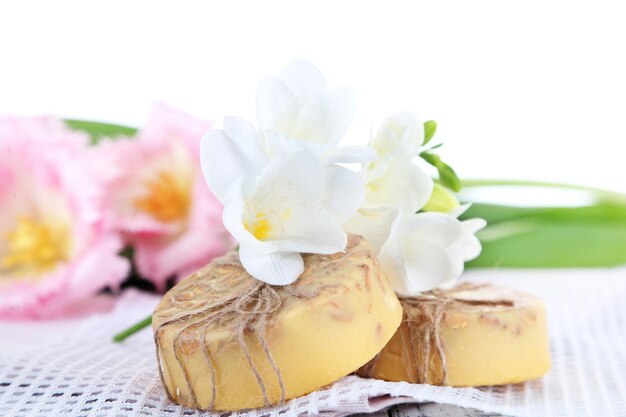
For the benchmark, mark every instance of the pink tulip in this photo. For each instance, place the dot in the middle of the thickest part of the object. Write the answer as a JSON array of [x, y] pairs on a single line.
[[55, 251], [159, 201]]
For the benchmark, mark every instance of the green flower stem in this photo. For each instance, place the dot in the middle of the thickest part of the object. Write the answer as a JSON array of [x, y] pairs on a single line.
[[133, 329]]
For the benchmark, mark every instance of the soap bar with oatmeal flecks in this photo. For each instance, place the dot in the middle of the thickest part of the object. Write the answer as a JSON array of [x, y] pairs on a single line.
[[470, 335], [226, 341]]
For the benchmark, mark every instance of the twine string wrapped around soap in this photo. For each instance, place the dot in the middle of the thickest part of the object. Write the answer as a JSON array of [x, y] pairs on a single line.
[[243, 312], [425, 315]]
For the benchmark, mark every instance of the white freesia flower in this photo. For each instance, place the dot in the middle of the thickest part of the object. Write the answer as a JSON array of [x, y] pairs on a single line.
[[419, 252], [237, 153], [395, 181], [400, 133], [428, 250], [277, 207], [297, 110]]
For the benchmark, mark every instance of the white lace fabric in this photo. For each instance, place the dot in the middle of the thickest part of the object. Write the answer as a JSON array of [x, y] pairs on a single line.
[[82, 373]]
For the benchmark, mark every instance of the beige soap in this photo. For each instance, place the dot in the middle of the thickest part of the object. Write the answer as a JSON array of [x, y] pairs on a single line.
[[226, 341], [471, 335]]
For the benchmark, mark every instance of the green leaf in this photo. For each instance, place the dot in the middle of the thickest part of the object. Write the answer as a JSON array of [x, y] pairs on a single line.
[[431, 158], [99, 130], [447, 176], [541, 244], [430, 127], [552, 237]]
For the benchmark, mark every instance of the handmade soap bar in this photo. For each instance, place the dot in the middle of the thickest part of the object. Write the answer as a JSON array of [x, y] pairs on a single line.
[[226, 341], [470, 335]]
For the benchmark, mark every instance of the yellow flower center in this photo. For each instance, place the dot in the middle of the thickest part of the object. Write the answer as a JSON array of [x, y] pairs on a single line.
[[33, 248], [259, 226], [166, 200], [263, 225]]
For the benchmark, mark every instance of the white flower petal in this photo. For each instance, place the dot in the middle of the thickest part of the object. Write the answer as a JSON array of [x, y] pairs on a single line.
[[458, 211], [311, 229], [245, 136], [326, 118], [276, 106], [350, 155], [474, 225], [373, 224], [427, 267], [290, 179], [437, 228], [344, 192], [277, 144], [303, 79], [400, 132], [448, 284], [471, 245], [225, 158], [391, 254], [402, 184], [279, 268]]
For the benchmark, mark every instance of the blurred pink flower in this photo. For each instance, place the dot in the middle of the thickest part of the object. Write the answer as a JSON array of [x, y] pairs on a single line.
[[158, 199], [54, 250]]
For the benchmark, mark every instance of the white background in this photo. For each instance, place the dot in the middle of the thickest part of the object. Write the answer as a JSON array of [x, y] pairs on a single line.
[[533, 90]]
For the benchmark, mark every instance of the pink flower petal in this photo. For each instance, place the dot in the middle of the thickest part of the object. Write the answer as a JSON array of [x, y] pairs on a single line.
[[168, 142], [47, 177]]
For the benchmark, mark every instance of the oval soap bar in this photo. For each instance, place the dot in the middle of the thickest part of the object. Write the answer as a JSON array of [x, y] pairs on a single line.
[[471, 335], [226, 341]]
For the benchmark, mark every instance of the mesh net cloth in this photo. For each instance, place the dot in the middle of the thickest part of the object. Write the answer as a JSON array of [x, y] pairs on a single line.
[[85, 374]]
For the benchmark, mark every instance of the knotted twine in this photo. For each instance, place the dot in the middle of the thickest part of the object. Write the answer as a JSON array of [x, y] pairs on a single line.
[[424, 316], [243, 311]]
